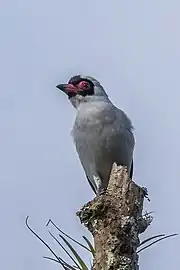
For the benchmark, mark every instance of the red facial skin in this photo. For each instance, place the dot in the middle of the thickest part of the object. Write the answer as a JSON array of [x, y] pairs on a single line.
[[83, 85]]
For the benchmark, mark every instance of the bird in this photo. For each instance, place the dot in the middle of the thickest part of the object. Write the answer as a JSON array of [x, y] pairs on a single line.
[[102, 133]]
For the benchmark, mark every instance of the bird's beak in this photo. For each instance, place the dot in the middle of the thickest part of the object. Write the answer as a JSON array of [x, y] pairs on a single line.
[[68, 88], [61, 87]]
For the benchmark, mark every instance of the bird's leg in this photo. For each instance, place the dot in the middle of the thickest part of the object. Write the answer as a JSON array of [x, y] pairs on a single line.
[[102, 191]]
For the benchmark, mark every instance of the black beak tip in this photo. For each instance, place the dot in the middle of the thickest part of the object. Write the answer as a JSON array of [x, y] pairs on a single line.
[[60, 86]]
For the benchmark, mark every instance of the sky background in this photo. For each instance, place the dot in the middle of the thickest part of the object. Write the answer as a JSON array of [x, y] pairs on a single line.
[[133, 48]]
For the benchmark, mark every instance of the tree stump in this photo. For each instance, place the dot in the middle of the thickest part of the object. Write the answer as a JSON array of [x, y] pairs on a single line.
[[115, 220]]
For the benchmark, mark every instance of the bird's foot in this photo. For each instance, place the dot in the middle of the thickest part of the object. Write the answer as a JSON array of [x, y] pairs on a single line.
[[102, 191]]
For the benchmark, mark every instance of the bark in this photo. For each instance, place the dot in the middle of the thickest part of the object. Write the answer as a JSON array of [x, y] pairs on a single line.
[[115, 220]]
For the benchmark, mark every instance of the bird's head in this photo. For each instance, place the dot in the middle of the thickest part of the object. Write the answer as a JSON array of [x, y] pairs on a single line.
[[82, 88]]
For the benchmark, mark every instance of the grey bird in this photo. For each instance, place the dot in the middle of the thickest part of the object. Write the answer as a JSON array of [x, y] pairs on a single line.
[[103, 134]]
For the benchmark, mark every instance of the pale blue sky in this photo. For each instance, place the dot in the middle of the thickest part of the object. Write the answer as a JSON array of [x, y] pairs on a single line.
[[133, 48]]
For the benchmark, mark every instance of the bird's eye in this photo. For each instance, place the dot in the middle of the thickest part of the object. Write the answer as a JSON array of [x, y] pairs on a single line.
[[83, 85]]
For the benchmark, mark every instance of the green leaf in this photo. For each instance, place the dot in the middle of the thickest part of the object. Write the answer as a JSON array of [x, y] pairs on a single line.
[[66, 265], [90, 246], [65, 250], [167, 236], [149, 239], [81, 262], [58, 259], [83, 246]]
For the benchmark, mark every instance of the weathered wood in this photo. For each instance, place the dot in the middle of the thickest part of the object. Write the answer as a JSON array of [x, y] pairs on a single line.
[[115, 221]]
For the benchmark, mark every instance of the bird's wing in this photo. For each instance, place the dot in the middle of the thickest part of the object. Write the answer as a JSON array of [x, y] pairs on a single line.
[[122, 141]]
